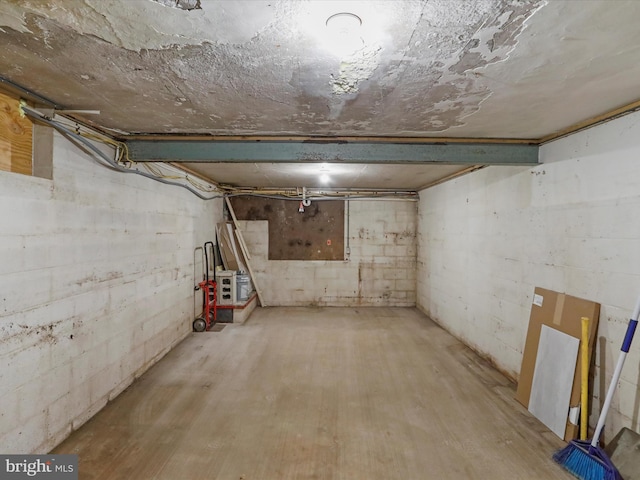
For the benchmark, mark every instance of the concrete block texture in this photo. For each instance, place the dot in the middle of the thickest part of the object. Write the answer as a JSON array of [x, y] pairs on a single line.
[[487, 239], [380, 269], [96, 282]]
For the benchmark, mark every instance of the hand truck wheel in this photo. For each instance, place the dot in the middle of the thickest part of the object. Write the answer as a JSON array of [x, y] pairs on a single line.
[[199, 324]]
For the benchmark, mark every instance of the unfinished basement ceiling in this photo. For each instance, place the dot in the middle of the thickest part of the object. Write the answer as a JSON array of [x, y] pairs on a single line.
[[409, 177], [485, 69]]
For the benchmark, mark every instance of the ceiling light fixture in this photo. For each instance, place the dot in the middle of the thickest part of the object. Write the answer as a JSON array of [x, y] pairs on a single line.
[[344, 36], [344, 22], [324, 178]]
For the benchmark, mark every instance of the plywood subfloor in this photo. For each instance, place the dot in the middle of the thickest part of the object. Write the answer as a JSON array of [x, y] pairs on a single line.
[[318, 393]]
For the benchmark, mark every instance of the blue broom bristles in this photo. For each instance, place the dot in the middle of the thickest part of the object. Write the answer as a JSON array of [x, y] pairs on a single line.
[[586, 462]]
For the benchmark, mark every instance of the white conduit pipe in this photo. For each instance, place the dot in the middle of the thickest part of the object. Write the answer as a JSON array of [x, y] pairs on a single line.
[[305, 201]]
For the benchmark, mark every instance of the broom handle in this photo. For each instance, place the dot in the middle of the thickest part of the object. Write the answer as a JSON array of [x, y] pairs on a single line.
[[584, 380], [626, 344]]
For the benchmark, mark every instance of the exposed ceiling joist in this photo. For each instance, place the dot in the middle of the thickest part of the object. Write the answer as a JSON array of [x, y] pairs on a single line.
[[305, 151]]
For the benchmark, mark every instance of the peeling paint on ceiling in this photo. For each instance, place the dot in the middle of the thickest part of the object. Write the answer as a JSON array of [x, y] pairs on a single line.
[[354, 69], [145, 24], [427, 68]]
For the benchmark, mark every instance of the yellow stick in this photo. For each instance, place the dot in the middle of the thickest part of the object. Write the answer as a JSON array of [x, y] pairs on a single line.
[[584, 385]]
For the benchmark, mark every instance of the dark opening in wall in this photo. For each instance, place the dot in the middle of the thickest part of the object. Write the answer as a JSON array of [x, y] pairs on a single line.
[[317, 233]]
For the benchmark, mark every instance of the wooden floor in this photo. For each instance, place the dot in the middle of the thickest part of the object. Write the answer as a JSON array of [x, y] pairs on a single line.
[[318, 393]]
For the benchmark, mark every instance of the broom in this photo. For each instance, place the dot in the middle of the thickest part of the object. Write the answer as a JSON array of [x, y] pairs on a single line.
[[586, 460], [584, 380]]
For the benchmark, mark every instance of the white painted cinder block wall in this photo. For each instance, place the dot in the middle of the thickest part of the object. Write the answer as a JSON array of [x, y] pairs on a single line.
[[96, 284], [487, 239], [381, 270]]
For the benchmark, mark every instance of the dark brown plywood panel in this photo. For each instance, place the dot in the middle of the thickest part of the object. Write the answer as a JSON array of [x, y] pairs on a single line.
[[315, 234]]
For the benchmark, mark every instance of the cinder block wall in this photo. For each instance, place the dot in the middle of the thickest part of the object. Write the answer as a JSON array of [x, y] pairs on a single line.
[[380, 271], [96, 284], [487, 239]]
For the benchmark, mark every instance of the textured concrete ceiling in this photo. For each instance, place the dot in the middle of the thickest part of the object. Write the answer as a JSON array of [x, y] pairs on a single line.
[[423, 68], [340, 176]]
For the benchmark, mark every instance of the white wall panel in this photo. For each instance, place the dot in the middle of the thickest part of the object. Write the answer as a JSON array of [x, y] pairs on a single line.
[[487, 239], [381, 269], [96, 284]]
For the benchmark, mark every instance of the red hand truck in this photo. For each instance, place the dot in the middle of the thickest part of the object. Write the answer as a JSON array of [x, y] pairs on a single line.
[[208, 316]]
